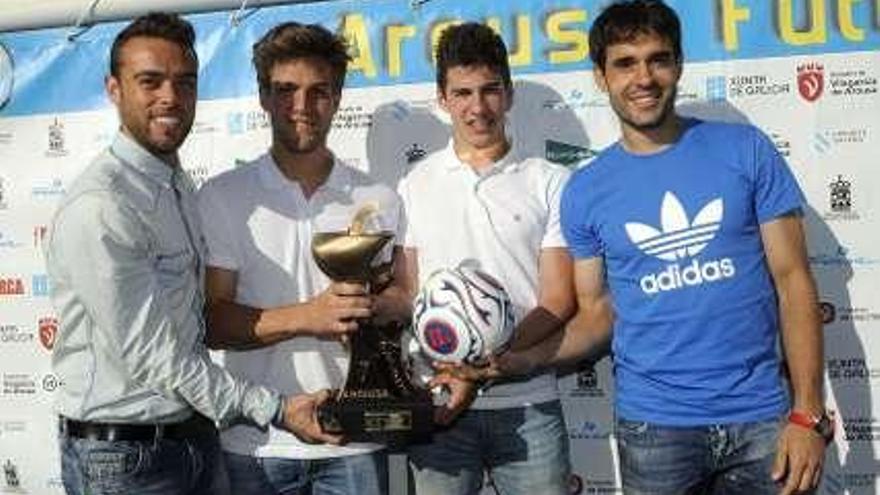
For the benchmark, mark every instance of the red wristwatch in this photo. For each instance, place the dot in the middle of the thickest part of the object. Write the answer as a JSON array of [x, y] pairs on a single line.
[[821, 423]]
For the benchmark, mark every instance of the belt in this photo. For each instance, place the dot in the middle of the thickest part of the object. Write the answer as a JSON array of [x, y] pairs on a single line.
[[196, 426]]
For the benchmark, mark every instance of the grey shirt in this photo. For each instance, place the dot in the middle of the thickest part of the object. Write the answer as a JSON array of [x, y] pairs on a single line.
[[124, 256]]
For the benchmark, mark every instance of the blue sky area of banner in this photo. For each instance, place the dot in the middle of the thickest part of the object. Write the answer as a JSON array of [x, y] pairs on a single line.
[[53, 74]]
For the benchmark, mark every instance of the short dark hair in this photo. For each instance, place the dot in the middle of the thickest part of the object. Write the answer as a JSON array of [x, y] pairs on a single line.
[[162, 25], [471, 44], [292, 40], [625, 20]]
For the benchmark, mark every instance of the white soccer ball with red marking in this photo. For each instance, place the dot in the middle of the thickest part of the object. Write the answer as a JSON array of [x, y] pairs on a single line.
[[462, 315]]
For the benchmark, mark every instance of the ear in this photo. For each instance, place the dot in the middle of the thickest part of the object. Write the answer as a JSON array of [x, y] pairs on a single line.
[[441, 99], [264, 99], [113, 89], [599, 78]]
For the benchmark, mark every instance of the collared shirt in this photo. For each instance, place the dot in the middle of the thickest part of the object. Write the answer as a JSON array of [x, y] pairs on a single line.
[[124, 257], [501, 219], [259, 224]]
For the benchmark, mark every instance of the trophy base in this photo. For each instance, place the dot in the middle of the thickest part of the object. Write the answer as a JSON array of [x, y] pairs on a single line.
[[394, 421]]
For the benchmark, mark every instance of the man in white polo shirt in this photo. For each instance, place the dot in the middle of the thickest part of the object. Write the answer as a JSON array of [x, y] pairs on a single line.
[[481, 199], [278, 317]]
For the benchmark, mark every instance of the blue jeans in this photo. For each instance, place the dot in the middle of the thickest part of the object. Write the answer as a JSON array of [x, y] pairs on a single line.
[[153, 467], [523, 449], [717, 459], [364, 474]]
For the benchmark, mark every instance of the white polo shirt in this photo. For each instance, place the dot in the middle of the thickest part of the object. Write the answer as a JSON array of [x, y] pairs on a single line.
[[259, 223], [502, 220]]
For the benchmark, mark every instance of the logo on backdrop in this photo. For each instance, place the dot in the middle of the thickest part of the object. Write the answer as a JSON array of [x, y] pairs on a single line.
[[10, 478], [811, 81], [11, 286], [12, 334], [414, 153], [587, 382], [841, 195], [826, 140], [566, 154], [57, 139], [6, 75], [716, 88], [745, 86], [352, 117], [18, 384], [677, 240], [51, 382], [828, 312], [840, 200], [50, 189], [861, 428], [852, 82], [48, 330], [39, 235], [7, 241], [41, 285], [851, 369], [575, 484], [782, 143], [842, 255], [848, 314]]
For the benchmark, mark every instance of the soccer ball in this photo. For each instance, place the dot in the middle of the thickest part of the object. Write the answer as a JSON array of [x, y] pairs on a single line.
[[462, 315]]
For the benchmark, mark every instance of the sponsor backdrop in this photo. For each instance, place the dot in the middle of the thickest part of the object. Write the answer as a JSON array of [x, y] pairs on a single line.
[[805, 71]]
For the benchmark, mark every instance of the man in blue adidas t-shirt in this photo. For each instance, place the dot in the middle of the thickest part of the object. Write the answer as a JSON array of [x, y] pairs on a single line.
[[691, 232]]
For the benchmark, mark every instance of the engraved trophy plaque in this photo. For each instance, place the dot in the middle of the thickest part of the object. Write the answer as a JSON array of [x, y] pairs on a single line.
[[379, 402]]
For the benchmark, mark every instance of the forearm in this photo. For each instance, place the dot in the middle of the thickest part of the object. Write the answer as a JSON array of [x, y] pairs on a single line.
[[586, 336], [240, 327], [536, 327], [802, 339], [212, 390]]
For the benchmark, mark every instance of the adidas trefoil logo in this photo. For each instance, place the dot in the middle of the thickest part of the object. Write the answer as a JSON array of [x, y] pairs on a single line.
[[678, 239]]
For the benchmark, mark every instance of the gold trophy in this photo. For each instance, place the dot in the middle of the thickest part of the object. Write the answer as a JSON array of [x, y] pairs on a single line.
[[379, 402]]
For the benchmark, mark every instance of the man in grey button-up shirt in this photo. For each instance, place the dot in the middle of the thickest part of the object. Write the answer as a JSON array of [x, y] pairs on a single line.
[[125, 258]]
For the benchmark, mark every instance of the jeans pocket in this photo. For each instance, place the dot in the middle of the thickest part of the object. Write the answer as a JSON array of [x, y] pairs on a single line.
[[112, 461], [631, 431]]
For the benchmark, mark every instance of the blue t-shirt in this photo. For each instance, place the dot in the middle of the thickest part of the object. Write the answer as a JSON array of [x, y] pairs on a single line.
[[696, 317]]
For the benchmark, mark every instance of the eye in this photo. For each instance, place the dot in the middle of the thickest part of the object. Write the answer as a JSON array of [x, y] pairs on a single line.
[[624, 63], [187, 83], [663, 61], [149, 82], [322, 93], [283, 90]]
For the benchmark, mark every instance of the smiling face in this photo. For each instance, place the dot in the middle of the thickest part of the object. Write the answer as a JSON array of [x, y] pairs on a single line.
[[640, 77], [155, 93], [301, 100], [477, 101]]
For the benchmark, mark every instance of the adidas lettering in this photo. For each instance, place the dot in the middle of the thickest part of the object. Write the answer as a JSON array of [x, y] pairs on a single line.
[[675, 277]]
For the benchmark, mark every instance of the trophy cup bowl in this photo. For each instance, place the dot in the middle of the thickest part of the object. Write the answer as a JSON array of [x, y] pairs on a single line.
[[379, 402]]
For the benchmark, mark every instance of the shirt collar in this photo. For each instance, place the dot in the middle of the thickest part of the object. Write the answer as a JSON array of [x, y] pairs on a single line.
[[271, 177], [137, 157], [510, 162]]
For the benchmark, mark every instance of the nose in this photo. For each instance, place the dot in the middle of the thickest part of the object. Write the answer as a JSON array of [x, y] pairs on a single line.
[[302, 101], [644, 73], [169, 93], [477, 102]]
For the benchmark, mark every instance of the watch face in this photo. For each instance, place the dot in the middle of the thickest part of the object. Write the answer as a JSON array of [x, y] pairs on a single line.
[[825, 427]]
